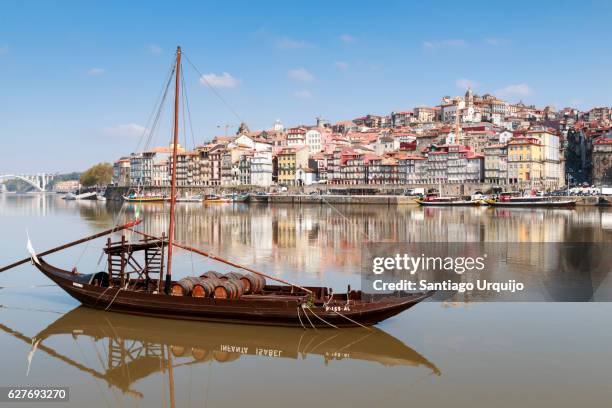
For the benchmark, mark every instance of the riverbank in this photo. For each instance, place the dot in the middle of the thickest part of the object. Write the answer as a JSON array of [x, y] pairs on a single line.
[[116, 194], [341, 199]]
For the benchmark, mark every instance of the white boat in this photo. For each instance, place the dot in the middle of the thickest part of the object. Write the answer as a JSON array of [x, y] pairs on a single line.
[[192, 199], [435, 200]]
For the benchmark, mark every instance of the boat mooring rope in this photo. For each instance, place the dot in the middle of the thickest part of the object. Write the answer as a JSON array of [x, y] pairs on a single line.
[[306, 314], [300, 319], [31, 310], [115, 297], [102, 294], [318, 317], [27, 287]]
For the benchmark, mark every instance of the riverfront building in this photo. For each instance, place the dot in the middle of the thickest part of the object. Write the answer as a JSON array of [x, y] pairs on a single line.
[[468, 139]]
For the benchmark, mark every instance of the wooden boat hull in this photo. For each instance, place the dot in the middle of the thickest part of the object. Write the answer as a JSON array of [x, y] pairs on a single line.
[[255, 309], [218, 201], [144, 199], [258, 198], [461, 203], [189, 200], [532, 204], [241, 198]]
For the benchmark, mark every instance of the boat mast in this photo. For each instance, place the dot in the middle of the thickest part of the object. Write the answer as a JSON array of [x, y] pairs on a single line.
[[174, 171]]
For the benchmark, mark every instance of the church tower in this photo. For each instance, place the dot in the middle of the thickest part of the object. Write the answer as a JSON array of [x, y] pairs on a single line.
[[469, 98]]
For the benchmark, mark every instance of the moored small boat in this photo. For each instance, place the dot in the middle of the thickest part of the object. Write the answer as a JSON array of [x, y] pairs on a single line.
[[513, 200], [140, 198], [434, 200], [216, 199], [275, 305], [197, 198], [240, 198], [259, 197]]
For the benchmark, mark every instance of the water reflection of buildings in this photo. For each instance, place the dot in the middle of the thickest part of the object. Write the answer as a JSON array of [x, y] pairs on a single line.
[[315, 240], [33, 204], [318, 242], [136, 348]]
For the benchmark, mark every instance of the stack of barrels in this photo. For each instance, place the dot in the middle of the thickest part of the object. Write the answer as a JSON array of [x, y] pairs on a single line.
[[219, 286]]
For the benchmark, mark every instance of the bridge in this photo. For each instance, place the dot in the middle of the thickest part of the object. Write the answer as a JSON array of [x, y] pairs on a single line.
[[39, 180]]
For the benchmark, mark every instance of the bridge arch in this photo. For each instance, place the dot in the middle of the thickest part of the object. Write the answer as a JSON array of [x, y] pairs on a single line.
[[15, 176]]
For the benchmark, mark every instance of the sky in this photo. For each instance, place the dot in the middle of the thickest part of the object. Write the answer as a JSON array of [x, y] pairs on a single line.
[[79, 80]]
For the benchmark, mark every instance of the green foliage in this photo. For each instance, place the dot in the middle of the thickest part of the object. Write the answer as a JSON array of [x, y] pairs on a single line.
[[99, 175]]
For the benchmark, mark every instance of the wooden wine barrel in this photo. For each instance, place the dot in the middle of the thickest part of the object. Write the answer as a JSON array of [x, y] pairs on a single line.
[[253, 283], [183, 287], [250, 284], [239, 287], [223, 290], [227, 289], [204, 287], [246, 284], [233, 275], [211, 275]]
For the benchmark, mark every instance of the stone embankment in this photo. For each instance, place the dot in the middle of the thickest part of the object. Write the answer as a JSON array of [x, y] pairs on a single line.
[[116, 193]]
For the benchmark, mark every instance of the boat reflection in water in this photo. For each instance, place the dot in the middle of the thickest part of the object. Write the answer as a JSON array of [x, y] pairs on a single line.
[[141, 346]]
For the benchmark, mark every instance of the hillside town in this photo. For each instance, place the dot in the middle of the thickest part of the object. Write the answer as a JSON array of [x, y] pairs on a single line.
[[469, 139]]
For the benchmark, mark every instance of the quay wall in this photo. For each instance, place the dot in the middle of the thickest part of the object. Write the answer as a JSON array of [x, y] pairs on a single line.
[[587, 201], [341, 199], [114, 193]]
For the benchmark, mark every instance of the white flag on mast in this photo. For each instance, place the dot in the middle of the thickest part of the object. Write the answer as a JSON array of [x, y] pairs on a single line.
[[31, 249]]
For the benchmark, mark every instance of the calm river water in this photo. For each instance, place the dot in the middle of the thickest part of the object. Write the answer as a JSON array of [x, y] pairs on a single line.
[[436, 354]]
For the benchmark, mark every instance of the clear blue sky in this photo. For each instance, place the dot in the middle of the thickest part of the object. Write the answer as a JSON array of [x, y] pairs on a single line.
[[78, 79]]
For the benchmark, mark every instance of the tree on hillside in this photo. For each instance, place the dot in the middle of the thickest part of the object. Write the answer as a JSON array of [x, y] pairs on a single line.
[[99, 175]]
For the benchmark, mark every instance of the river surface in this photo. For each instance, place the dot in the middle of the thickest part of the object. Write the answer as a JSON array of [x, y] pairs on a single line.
[[436, 354]]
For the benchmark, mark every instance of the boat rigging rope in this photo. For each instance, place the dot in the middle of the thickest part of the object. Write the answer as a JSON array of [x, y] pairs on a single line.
[[212, 88], [188, 109], [156, 112], [81, 255], [185, 104]]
